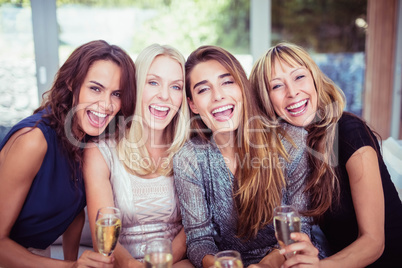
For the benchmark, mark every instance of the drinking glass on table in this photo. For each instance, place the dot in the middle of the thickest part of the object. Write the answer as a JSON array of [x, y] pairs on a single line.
[[228, 259], [286, 221], [158, 253], [107, 229]]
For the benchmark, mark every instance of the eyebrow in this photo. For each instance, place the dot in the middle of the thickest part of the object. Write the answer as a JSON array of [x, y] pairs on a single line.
[[97, 83], [154, 75], [206, 81], [277, 78], [158, 77]]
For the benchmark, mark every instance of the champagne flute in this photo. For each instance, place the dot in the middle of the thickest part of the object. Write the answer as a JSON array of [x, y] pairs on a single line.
[[286, 221], [228, 259], [158, 253], [107, 229]]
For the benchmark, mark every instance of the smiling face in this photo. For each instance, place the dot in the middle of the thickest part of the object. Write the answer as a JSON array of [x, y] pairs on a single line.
[[293, 94], [216, 97], [163, 92], [99, 97]]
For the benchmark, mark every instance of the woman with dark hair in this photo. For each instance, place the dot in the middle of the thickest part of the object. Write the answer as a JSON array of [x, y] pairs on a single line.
[[42, 192], [352, 196], [231, 174]]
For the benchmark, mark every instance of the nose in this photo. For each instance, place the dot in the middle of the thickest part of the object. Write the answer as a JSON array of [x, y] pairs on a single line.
[[164, 93], [218, 94], [106, 104], [292, 90]]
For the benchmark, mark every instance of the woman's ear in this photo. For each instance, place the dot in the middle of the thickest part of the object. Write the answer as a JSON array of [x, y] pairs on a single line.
[[192, 106]]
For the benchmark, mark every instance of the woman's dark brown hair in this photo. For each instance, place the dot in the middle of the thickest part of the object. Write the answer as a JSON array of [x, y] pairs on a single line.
[[63, 96]]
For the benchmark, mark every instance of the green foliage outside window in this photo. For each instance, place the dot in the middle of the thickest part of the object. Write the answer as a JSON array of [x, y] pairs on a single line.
[[319, 25]]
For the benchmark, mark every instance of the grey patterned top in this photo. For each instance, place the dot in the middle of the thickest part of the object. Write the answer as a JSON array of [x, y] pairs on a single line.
[[204, 186]]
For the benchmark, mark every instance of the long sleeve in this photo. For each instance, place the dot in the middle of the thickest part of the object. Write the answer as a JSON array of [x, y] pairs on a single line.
[[205, 189], [194, 205], [296, 173]]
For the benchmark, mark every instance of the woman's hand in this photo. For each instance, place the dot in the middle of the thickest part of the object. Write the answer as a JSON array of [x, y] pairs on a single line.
[[271, 260], [306, 254], [94, 259]]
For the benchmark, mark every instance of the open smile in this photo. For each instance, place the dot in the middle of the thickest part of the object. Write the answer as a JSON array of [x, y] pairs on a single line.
[[297, 108], [97, 119], [223, 113], [159, 112]]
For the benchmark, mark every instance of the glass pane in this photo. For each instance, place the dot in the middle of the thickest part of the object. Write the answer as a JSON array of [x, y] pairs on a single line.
[[18, 90], [334, 32], [133, 25]]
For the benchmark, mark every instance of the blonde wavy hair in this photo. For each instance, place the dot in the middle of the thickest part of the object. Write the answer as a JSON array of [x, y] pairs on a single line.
[[176, 133], [323, 184]]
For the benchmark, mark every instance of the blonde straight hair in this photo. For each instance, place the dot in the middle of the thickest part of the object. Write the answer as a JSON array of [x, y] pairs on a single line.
[[323, 184], [131, 149]]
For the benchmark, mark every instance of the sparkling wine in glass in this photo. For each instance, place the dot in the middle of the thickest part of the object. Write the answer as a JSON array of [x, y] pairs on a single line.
[[286, 221], [107, 229], [228, 259], [158, 253]]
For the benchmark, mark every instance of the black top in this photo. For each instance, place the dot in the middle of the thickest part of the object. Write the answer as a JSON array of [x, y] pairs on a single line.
[[340, 224]]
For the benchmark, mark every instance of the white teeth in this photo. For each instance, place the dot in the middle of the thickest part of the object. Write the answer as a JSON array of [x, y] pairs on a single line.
[[296, 105], [296, 113], [224, 108], [163, 109], [98, 114]]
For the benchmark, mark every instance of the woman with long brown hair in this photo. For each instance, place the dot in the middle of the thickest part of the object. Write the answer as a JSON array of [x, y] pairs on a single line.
[[231, 174], [42, 192], [351, 194]]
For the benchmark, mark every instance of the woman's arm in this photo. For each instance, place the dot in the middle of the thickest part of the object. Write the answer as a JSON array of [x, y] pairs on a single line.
[[272, 260], [20, 161], [368, 201], [99, 194], [72, 237], [179, 246], [189, 183], [208, 261]]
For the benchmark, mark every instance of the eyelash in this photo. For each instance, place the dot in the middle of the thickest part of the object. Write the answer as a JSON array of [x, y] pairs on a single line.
[[152, 83], [202, 90], [276, 86], [229, 82], [297, 78], [97, 89]]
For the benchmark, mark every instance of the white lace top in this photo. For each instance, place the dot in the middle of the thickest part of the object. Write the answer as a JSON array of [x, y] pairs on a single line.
[[149, 207]]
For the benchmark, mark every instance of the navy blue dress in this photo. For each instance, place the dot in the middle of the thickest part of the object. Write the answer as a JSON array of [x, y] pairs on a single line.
[[340, 224], [54, 199]]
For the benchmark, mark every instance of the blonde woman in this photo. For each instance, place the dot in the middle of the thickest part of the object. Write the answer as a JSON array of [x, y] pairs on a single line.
[[352, 196], [231, 174], [135, 172]]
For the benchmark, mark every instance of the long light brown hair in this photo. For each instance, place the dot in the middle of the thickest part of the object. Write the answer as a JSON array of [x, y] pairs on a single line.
[[259, 187], [323, 184]]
